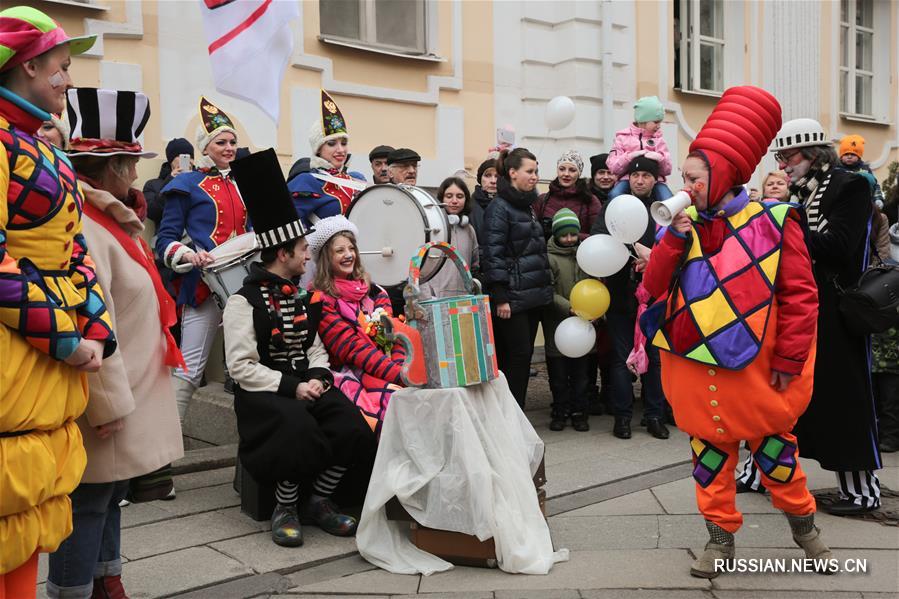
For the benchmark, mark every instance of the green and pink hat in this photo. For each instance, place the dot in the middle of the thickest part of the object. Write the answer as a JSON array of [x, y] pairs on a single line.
[[26, 32]]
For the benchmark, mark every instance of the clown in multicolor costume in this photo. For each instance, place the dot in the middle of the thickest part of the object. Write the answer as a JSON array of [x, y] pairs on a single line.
[[326, 188], [204, 206], [54, 326], [736, 321]]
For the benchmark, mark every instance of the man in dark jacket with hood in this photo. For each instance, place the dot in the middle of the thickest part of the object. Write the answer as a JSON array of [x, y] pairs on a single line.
[[621, 318]]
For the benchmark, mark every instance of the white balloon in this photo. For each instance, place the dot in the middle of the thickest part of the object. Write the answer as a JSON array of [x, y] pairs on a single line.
[[626, 218], [601, 255], [559, 113], [575, 337]]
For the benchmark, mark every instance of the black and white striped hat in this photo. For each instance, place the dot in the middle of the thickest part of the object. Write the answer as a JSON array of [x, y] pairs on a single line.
[[261, 183], [107, 122]]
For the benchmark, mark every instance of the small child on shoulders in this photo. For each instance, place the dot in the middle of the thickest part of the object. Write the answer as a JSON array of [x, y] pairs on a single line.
[[642, 137]]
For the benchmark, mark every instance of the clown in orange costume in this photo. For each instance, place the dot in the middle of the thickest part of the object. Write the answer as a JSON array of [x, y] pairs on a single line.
[[737, 325]]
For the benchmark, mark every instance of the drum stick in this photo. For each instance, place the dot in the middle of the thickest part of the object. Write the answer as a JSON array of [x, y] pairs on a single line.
[[386, 252]]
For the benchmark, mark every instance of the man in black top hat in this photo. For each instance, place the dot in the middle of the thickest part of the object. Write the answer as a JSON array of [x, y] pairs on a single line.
[[378, 160], [402, 165], [294, 425]]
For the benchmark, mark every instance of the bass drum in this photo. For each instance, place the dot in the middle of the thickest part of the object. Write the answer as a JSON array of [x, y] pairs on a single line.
[[394, 221]]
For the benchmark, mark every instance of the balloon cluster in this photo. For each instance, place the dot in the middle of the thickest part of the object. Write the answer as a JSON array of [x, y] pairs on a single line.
[[600, 255]]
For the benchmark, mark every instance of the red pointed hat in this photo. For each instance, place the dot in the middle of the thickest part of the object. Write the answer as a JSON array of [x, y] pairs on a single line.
[[736, 136]]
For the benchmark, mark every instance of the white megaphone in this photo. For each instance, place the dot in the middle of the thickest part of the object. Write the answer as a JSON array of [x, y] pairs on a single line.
[[664, 212]]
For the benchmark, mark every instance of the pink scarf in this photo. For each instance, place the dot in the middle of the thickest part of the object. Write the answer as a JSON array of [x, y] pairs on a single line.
[[350, 294]]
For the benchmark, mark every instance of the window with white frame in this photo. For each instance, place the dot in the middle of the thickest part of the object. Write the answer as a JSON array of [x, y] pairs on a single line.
[[699, 45], [392, 25], [857, 57]]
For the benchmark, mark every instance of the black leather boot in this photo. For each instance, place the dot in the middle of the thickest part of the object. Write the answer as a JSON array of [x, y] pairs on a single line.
[[622, 428]]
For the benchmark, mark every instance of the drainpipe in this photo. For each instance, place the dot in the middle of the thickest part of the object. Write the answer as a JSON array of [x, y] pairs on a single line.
[[608, 127]]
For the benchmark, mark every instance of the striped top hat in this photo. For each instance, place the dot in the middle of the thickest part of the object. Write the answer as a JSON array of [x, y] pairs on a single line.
[[261, 183], [107, 122]]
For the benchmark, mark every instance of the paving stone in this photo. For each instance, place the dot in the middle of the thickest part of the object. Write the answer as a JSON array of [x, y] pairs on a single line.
[[375, 581], [784, 594], [260, 553], [605, 532], [234, 512], [544, 594], [881, 576], [144, 513], [644, 594], [251, 586], [329, 571], [583, 473], [205, 499], [769, 530], [171, 535], [880, 595], [341, 596], [642, 502], [629, 568], [469, 595], [204, 478], [179, 571]]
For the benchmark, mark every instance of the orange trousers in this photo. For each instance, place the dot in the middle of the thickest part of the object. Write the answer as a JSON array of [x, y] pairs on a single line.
[[777, 457], [21, 583]]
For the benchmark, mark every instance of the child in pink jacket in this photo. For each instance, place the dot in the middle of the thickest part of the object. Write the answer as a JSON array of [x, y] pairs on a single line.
[[642, 137]]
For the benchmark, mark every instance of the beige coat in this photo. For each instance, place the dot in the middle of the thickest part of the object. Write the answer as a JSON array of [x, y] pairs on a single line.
[[134, 383]]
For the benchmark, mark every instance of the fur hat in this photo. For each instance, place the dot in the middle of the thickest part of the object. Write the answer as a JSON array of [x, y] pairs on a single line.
[[598, 163], [330, 126], [213, 122], [325, 229], [572, 157], [852, 144], [736, 136]]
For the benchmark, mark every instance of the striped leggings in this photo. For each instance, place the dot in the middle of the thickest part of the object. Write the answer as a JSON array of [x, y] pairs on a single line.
[[861, 486], [287, 493]]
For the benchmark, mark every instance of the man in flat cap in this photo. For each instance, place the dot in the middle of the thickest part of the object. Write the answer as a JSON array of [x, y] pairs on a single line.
[[402, 165], [378, 160]]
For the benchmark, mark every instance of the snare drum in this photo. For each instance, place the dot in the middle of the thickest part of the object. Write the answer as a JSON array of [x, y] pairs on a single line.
[[232, 265], [394, 221]]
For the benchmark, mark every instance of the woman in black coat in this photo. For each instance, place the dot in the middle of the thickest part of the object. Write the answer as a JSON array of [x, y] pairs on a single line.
[[839, 426], [515, 268]]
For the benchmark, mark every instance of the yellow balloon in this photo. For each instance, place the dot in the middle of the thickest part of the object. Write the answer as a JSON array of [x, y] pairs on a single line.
[[589, 299]]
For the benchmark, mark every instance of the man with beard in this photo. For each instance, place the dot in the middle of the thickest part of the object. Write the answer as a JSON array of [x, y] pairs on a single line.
[[402, 166]]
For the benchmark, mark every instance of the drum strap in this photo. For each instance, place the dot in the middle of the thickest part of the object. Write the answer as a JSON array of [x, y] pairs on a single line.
[[349, 183]]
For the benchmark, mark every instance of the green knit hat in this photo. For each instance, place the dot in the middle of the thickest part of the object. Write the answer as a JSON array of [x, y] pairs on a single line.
[[565, 221], [648, 108]]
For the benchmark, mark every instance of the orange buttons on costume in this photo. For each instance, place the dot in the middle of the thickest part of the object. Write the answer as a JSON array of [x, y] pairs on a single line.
[[716, 418], [713, 388], [70, 226], [720, 431], [714, 403], [712, 372], [71, 207]]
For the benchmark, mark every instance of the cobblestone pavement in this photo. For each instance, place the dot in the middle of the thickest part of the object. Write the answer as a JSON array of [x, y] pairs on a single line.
[[625, 509]]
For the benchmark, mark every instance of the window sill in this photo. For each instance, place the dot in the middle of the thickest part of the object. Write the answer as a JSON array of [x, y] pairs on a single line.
[[90, 5], [705, 94], [860, 118], [356, 45]]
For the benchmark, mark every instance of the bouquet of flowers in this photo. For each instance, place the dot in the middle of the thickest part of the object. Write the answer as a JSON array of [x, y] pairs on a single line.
[[372, 326]]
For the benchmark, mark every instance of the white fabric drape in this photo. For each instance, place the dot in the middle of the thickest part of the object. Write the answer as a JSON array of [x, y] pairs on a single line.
[[461, 460]]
